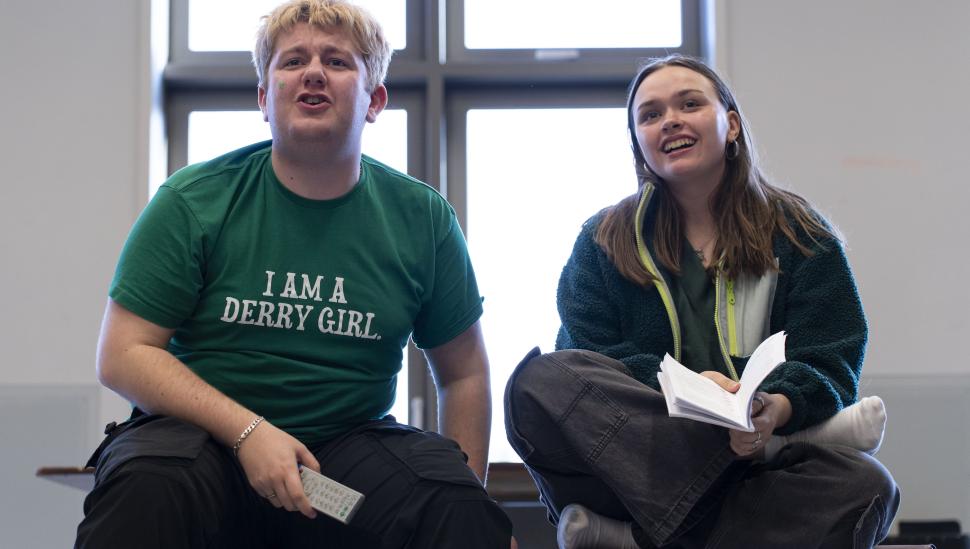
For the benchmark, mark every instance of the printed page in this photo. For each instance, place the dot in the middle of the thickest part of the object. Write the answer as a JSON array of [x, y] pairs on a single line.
[[692, 390], [688, 411], [689, 394], [763, 360]]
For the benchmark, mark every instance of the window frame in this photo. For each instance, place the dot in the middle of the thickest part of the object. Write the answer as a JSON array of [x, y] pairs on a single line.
[[230, 69], [691, 38]]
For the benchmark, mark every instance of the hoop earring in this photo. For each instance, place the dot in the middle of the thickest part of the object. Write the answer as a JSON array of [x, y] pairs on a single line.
[[733, 150]]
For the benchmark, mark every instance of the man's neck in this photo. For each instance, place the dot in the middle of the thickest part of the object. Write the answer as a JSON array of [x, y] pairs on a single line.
[[317, 174]]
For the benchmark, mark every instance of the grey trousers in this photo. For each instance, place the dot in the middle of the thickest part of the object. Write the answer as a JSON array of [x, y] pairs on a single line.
[[591, 434]]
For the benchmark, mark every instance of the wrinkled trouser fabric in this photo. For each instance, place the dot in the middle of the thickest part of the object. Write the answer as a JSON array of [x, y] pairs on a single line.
[[591, 434], [164, 483]]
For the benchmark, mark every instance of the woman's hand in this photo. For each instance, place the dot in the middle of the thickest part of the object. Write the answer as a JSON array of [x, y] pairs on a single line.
[[270, 458], [768, 412]]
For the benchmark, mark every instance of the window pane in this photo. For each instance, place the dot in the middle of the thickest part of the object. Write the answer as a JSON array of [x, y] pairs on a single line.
[[558, 167], [541, 24], [230, 25], [212, 133]]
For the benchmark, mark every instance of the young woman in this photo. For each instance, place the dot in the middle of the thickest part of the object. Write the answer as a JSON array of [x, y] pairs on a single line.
[[703, 262]]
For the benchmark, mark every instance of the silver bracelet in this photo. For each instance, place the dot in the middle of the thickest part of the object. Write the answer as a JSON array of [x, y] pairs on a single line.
[[246, 432]]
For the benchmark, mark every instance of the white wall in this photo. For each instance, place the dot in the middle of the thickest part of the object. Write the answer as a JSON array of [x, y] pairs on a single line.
[[73, 140], [73, 113], [862, 107]]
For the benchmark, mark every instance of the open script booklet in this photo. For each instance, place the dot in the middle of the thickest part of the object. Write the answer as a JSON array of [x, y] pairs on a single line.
[[694, 396]]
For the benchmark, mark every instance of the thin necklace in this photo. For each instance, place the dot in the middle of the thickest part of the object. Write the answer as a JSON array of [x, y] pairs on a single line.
[[700, 251]]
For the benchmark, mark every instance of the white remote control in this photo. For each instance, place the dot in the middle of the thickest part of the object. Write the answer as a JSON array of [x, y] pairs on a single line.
[[329, 496]]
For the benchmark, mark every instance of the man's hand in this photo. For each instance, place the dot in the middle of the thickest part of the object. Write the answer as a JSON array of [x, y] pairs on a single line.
[[270, 458]]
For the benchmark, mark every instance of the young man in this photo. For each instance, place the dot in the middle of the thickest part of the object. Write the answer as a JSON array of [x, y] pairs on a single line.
[[257, 319]]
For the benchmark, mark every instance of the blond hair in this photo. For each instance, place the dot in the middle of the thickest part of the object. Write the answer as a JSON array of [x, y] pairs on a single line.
[[363, 30]]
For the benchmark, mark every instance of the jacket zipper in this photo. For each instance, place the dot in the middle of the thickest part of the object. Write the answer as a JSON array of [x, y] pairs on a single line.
[[732, 320], [717, 322], [659, 282]]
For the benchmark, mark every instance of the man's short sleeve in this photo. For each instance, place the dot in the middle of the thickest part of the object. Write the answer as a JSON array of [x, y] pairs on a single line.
[[454, 303], [160, 271]]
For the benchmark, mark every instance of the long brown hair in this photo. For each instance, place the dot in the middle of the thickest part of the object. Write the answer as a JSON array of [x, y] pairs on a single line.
[[747, 209]]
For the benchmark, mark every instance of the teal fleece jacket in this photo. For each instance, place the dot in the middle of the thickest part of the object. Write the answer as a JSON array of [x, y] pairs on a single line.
[[815, 301]]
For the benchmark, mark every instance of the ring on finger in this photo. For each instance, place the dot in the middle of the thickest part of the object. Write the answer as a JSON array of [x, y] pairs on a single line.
[[271, 495], [757, 440]]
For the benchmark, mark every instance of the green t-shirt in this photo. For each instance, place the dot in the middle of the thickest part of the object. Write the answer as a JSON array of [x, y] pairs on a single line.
[[694, 296], [298, 309]]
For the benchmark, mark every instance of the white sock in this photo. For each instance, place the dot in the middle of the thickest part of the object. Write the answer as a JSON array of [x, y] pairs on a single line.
[[580, 528], [859, 426]]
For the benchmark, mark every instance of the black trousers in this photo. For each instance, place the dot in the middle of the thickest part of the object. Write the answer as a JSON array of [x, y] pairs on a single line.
[[591, 434], [164, 483]]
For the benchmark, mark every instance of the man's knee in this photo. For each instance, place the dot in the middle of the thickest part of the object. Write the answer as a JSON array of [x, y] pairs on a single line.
[[189, 499], [141, 483], [128, 503], [456, 514]]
